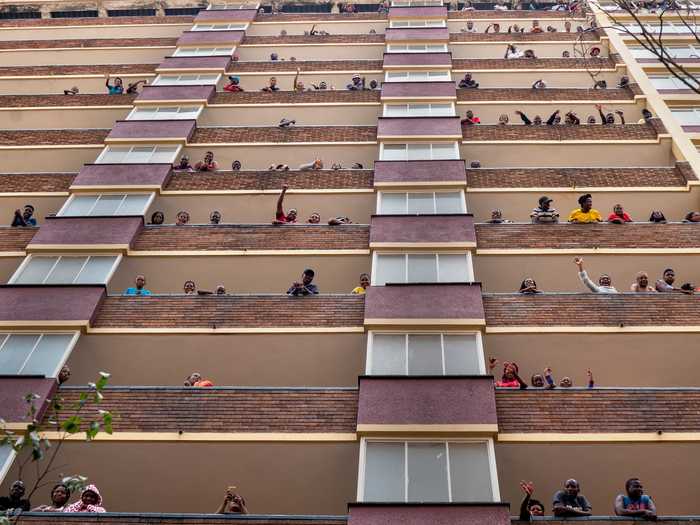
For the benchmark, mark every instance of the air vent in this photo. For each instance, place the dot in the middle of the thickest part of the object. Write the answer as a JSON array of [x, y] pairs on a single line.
[[131, 12], [15, 15], [175, 11], [74, 14]]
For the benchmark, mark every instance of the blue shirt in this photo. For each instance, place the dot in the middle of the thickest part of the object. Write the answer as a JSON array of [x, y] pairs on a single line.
[[640, 504], [136, 291], [115, 90]]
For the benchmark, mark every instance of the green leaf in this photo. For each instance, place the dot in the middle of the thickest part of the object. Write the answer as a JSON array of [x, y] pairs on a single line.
[[92, 430], [106, 420], [71, 425], [102, 381]]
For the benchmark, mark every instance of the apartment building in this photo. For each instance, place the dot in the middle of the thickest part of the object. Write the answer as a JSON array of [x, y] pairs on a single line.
[[346, 408]]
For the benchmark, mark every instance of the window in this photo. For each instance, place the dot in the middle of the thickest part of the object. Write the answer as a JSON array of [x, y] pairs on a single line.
[[138, 154], [680, 52], [182, 11], [75, 14], [421, 268], [7, 456], [419, 110], [416, 23], [420, 203], [131, 12], [220, 27], [417, 76], [106, 204], [417, 48], [165, 113], [687, 116], [664, 82], [65, 269], [416, 3], [425, 354], [419, 151], [187, 80], [202, 51], [221, 6], [35, 354], [428, 471]]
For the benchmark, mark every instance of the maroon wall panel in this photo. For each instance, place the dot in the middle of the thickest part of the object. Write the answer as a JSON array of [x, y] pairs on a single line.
[[419, 89], [418, 127], [423, 34], [418, 12], [49, 303], [426, 401], [203, 38], [424, 301], [397, 171], [422, 229], [212, 63], [152, 129], [225, 15], [193, 93], [88, 230], [429, 514], [418, 59], [14, 408], [152, 175]]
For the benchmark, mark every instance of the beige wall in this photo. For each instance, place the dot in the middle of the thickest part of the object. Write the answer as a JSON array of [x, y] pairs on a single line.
[[72, 56], [360, 27], [498, 49], [490, 112], [305, 115], [260, 208], [96, 31], [274, 478], [257, 81], [557, 273], [43, 206], [73, 118], [8, 265], [280, 360], [668, 472], [457, 24], [38, 160], [241, 274], [553, 79], [56, 85], [643, 360], [312, 52]]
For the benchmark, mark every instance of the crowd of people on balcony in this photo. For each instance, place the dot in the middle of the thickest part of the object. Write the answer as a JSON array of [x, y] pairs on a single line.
[[291, 216], [357, 83], [90, 500], [570, 118], [510, 378]]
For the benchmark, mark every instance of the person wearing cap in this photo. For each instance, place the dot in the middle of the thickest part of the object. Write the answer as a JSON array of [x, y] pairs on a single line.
[[544, 214], [357, 84], [25, 218], [305, 287], [585, 214], [233, 85], [184, 164]]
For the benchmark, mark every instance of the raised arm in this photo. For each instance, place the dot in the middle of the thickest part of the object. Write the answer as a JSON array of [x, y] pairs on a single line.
[[600, 112], [584, 276], [550, 120], [280, 200], [621, 115], [296, 79], [524, 118]]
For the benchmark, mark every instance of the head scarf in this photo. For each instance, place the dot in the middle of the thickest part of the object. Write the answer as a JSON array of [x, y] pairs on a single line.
[[79, 506]]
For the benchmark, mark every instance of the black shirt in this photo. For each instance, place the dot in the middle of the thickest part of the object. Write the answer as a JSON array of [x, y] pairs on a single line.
[[9, 503]]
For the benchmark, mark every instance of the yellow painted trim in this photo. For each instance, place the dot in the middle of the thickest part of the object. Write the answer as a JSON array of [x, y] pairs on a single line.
[[81, 49], [82, 75], [437, 245], [54, 108], [405, 185], [425, 321], [228, 330], [419, 137], [268, 144], [604, 437], [35, 194], [199, 437], [115, 187], [264, 192], [590, 329], [410, 429], [147, 140], [56, 146], [574, 251], [349, 105], [580, 189], [188, 101], [13, 254], [229, 253], [116, 248]]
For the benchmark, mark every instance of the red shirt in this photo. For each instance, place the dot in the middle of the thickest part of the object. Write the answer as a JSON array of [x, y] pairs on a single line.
[[204, 382], [281, 217], [233, 88], [625, 217]]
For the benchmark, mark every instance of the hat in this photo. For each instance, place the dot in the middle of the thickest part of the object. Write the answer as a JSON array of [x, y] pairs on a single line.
[[233, 79], [544, 200], [356, 76]]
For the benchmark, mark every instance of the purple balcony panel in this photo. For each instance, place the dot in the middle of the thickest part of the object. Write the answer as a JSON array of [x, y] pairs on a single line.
[[419, 173], [210, 64], [225, 15], [205, 38], [424, 304], [110, 233], [419, 127], [187, 94], [468, 404], [429, 513], [152, 130], [416, 13], [13, 390], [423, 34], [122, 176], [400, 60], [437, 231], [42, 305], [419, 90]]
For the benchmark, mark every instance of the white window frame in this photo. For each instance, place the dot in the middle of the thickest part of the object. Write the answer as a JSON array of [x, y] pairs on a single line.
[[221, 6], [490, 450], [187, 79], [104, 153], [189, 112], [73, 196], [407, 24], [416, 48], [687, 51], [691, 111], [442, 334], [411, 109], [221, 26], [406, 254], [672, 81], [203, 51], [418, 76], [7, 464], [31, 256], [416, 3], [408, 144], [4, 337], [381, 193]]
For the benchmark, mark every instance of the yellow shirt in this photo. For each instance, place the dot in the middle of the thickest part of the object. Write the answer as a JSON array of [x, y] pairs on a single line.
[[579, 216], [359, 290]]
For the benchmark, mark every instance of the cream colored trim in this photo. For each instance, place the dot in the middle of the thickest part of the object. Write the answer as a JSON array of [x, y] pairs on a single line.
[[95, 26], [413, 429], [12, 254], [312, 44], [54, 108], [531, 70], [603, 437], [617, 102], [265, 192], [424, 321], [198, 437], [436, 245], [184, 71], [115, 187], [147, 140], [580, 189], [38, 324], [574, 251], [34, 248], [427, 184], [228, 330], [525, 41], [419, 137], [411, 98], [229, 253], [14, 426], [306, 22], [557, 142], [349, 105], [82, 75], [268, 144], [81, 49], [590, 329], [187, 101], [293, 72], [55, 146], [35, 194], [418, 67]]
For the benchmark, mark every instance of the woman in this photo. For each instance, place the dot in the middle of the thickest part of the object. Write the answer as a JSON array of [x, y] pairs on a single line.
[[60, 494], [90, 501], [189, 288], [510, 378], [182, 218], [529, 286], [157, 218]]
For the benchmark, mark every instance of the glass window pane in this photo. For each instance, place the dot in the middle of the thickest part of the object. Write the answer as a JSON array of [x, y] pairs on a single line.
[[113, 155], [419, 152], [444, 151], [686, 117], [390, 269], [470, 472], [164, 154], [424, 355], [96, 270], [80, 205], [134, 205], [47, 355], [394, 152], [388, 354], [427, 472], [66, 270], [461, 355], [36, 270], [107, 204], [422, 268], [453, 268], [15, 352], [442, 110], [421, 203], [394, 110], [419, 110], [140, 154], [450, 202], [384, 472], [393, 203]]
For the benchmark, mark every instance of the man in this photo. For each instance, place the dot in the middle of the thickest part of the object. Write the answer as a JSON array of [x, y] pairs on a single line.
[[609, 119], [314, 218], [23, 219], [585, 214], [305, 287], [497, 218], [364, 284], [565, 54], [619, 215], [496, 28], [641, 284], [537, 121], [272, 85], [635, 503], [139, 288], [14, 500], [233, 503], [544, 214], [357, 83], [195, 379], [215, 217], [535, 27], [569, 502], [604, 281], [665, 285], [530, 507], [208, 164], [184, 164], [468, 82], [280, 216], [63, 374], [469, 119], [233, 85], [470, 27], [236, 165]]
